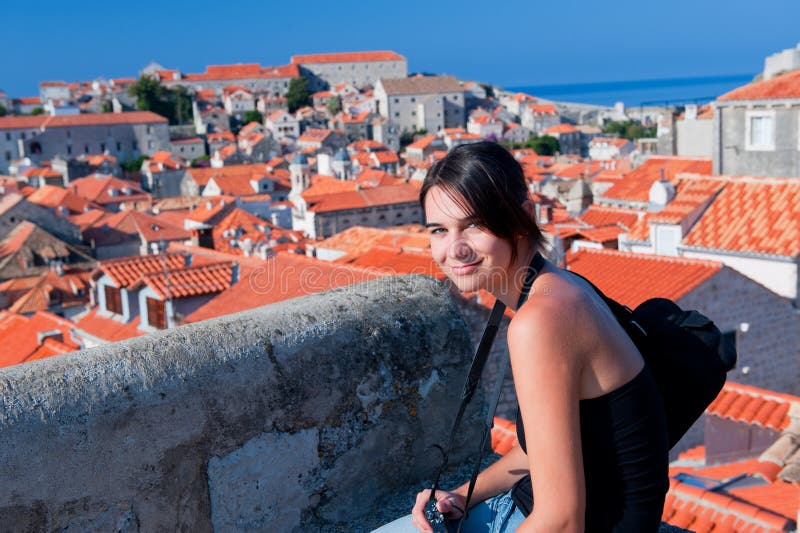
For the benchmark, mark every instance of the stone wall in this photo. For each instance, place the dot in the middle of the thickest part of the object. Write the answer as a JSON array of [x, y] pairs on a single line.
[[293, 417], [731, 153]]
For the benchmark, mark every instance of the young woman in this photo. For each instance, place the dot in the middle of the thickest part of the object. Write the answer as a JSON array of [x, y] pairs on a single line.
[[591, 426]]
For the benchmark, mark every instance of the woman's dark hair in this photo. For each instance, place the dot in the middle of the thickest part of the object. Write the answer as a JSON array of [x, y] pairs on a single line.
[[487, 182]]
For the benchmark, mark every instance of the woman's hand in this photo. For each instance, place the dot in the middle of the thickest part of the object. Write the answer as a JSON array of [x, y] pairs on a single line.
[[450, 504]]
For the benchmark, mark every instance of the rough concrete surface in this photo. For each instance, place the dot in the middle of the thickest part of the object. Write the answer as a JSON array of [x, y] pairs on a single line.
[[333, 400]]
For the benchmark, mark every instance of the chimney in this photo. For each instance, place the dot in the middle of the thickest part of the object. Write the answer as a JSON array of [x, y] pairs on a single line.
[[235, 273]]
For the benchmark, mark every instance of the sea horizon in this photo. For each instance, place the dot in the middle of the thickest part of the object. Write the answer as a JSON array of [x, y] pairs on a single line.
[[635, 93]]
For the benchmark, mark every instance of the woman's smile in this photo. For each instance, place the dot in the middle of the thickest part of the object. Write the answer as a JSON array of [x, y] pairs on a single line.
[[464, 270]]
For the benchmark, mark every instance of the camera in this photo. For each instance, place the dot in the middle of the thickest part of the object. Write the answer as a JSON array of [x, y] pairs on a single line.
[[435, 517]]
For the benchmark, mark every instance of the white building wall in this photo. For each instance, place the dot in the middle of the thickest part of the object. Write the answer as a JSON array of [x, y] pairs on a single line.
[[778, 276], [694, 137]]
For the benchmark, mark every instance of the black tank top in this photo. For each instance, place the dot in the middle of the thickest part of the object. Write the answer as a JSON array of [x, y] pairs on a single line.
[[625, 459]]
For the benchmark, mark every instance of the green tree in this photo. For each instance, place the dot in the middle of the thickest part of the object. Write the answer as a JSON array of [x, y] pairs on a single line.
[[297, 95], [37, 111], [107, 107], [3, 111], [149, 94], [253, 116], [544, 145], [334, 105], [173, 104], [489, 90], [181, 105], [133, 165], [629, 129]]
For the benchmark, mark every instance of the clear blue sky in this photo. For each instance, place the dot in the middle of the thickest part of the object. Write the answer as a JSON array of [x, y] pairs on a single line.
[[506, 42]]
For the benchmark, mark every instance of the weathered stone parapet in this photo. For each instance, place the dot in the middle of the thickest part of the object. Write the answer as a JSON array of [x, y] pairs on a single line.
[[299, 413]]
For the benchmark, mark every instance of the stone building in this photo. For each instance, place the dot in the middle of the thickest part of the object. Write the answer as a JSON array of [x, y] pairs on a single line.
[[569, 138], [125, 136], [756, 129], [272, 81], [429, 103], [539, 117], [14, 208], [357, 68], [782, 62]]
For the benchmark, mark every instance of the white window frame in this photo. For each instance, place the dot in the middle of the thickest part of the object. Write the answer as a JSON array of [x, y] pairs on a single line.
[[749, 116]]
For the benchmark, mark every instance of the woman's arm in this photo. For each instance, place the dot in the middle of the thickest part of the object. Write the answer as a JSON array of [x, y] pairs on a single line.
[[498, 477], [547, 363]]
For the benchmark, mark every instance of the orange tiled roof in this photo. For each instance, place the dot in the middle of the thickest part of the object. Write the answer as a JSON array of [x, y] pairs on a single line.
[[597, 215], [587, 169], [99, 187], [221, 136], [543, 109], [355, 119], [561, 128], [777, 88], [386, 157], [314, 135], [107, 328], [635, 185], [44, 172], [53, 197], [422, 143], [692, 194], [126, 271], [347, 57], [386, 195], [243, 71], [366, 145], [395, 261], [633, 278], [619, 143], [88, 119], [752, 405], [201, 176], [19, 335], [278, 278], [504, 435], [188, 281], [755, 215]]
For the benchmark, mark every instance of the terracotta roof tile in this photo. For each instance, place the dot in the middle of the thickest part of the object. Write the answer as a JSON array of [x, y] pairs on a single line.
[[755, 215], [107, 328], [19, 334], [126, 271], [633, 278], [105, 189], [385, 195], [635, 185], [243, 71], [88, 119], [280, 277], [347, 57], [779, 87], [597, 215], [561, 129], [753, 405], [189, 281]]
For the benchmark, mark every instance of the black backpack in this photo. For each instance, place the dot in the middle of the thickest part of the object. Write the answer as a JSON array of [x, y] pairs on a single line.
[[685, 351]]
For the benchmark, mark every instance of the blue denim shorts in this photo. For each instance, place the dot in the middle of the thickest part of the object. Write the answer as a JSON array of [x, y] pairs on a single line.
[[495, 515]]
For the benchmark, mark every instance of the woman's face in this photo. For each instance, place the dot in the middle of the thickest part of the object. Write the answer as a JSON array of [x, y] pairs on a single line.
[[470, 256]]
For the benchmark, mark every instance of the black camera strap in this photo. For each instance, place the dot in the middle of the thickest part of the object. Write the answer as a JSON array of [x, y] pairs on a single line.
[[474, 376]]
